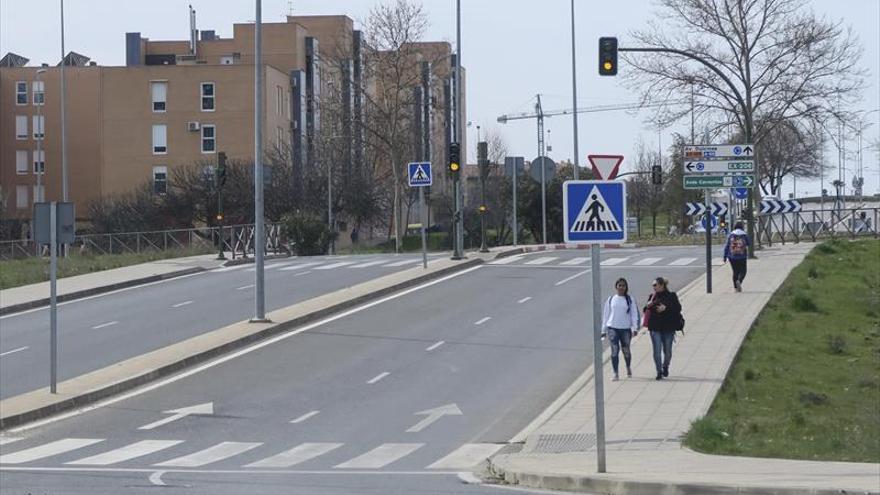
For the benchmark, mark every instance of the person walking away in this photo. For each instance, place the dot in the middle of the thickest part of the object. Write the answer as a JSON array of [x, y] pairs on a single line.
[[737, 251], [663, 314], [621, 320]]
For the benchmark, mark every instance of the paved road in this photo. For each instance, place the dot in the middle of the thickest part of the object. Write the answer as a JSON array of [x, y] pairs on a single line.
[[397, 397], [99, 331]]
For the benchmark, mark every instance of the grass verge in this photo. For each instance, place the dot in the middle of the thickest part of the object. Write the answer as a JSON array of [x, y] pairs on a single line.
[[15, 273], [806, 383]]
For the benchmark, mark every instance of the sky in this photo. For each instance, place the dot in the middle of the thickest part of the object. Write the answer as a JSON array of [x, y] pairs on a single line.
[[512, 50]]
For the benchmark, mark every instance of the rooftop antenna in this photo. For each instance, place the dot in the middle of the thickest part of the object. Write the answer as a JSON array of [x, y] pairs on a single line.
[[193, 34], [289, 7]]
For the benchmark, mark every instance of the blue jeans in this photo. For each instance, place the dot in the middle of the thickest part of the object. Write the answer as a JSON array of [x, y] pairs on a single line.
[[662, 341], [620, 338]]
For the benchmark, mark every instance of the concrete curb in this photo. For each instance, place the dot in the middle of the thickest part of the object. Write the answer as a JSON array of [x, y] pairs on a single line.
[[38, 303], [108, 390], [245, 261]]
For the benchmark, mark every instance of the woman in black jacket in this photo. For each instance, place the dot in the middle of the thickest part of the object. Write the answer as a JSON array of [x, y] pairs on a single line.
[[663, 313]]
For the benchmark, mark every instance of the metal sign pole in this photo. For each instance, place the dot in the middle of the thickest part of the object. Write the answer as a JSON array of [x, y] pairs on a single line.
[[543, 201], [424, 220], [53, 297], [598, 384], [708, 243], [515, 228]]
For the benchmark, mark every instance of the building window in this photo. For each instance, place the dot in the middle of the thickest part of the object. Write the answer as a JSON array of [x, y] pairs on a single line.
[[21, 92], [39, 193], [21, 131], [39, 126], [21, 162], [209, 138], [279, 137], [279, 100], [160, 180], [160, 143], [207, 97], [21, 197], [39, 91], [40, 162], [159, 91]]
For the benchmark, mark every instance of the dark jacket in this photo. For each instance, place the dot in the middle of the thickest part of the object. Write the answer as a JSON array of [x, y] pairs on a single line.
[[669, 320]]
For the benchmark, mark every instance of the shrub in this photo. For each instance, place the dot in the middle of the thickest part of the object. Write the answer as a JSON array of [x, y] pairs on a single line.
[[307, 233]]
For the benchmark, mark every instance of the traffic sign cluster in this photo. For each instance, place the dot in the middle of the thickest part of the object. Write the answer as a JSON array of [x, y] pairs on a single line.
[[770, 206], [719, 166]]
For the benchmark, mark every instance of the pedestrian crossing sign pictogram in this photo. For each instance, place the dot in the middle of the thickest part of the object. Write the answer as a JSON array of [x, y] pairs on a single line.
[[594, 211], [420, 174]]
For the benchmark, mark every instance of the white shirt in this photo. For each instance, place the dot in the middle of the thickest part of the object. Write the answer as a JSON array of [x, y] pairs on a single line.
[[615, 313]]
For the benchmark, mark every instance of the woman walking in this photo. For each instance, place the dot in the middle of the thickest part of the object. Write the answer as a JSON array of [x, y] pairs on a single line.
[[621, 321], [737, 252], [663, 315]]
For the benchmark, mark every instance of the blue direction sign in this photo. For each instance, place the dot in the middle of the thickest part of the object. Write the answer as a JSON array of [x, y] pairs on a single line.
[[741, 192], [420, 174], [594, 211]]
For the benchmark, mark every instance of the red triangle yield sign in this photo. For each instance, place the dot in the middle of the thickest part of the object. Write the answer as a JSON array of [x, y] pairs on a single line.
[[605, 166]]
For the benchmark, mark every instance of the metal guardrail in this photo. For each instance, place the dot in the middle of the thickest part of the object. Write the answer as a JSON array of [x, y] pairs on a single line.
[[236, 239], [818, 224]]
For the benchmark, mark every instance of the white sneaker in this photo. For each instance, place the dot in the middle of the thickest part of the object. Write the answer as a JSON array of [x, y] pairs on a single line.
[[616, 378]]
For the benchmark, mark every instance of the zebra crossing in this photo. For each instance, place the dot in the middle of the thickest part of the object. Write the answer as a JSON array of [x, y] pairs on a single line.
[[328, 265], [619, 261], [64, 452]]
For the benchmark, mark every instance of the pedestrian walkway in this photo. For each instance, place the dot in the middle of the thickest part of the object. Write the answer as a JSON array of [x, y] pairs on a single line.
[[645, 419], [632, 261]]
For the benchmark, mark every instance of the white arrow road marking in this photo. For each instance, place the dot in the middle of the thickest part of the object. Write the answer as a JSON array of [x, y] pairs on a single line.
[[13, 352], [126, 453], [296, 455], [433, 415], [105, 325], [156, 478], [380, 456], [204, 409], [304, 417], [47, 450]]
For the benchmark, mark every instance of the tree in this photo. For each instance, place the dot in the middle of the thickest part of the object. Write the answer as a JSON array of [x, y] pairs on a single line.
[[788, 150], [645, 196]]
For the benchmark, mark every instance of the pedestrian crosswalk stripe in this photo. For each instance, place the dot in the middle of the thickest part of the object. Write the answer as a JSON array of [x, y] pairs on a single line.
[[122, 454], [369, 263], [647, 261], [296, 455], [467, 456], [404, 262], [8, 440], [48, 450], [613, 261], [541, 261], [334, 265], [683, 261], [297, 267], [381, 456], [509, 259], [222, 450], [574, 261]]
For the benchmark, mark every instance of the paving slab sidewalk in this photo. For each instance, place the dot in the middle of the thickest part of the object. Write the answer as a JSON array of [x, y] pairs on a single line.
[[645, 418]]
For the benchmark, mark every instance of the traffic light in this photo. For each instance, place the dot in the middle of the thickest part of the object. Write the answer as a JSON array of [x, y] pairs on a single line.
[[221, 169], [656, 175], [454, 160], [607, 56]]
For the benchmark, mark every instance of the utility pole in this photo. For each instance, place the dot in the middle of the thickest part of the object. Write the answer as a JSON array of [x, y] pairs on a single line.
[[483, 165], [458, 251], [574, 103], [259, 237]]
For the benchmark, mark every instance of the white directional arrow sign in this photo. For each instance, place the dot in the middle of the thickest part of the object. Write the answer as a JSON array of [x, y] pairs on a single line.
[[203, 409], [434, 415]]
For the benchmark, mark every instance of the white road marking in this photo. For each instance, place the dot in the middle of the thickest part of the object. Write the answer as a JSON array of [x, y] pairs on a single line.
[[683, 261], [223, 450], [525, 299], [236, 354], [297, 267], [203, 409], [433, 415], [8, 440], [569, 279], [305, 417], [334, 265], [647, 261], [300, 274], [467, 456], [105, 325], [243, 287], [435, 345], [369, 263], [404, 262], [613, 261], [542, 260], [509, 259], [181, 304], [156, 478], [378, 377], [296, 455], [47, 450], [381, 456], [126, 453], [242, 472], [482, 320], [575, 261], [13, 351], [229, 268]]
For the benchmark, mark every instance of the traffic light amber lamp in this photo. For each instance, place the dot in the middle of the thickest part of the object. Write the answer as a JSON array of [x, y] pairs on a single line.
[[608, 56]]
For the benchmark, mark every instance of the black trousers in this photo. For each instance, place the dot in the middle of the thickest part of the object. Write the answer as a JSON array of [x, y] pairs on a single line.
[[739, 270]]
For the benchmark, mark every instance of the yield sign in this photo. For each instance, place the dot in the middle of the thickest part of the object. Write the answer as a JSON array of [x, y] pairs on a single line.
[[605, 166]]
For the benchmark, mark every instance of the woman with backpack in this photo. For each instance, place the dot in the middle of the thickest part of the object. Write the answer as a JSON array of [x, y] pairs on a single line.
[[620, 319], [737, 251], [663, 318]]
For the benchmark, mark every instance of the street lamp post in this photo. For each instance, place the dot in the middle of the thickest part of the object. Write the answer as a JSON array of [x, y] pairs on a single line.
[[574, 92], [39, 158], [259, 237]]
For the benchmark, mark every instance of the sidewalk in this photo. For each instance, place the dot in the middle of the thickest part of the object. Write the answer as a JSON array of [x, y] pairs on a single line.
[[644, 419]]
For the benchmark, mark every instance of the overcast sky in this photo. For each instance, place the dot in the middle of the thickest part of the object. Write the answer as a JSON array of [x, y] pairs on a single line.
[[512, 50]]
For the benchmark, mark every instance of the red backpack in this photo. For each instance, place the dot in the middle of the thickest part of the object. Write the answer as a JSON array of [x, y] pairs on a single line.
[[737, 245]]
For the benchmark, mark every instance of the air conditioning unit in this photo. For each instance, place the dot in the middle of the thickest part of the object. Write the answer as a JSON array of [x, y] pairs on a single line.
[[192, 126]]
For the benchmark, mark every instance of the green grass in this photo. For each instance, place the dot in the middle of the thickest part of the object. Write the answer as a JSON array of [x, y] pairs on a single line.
[[15, 273], [806, 383]]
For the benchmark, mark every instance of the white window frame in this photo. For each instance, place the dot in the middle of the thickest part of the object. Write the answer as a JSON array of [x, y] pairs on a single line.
[[212, 96], [39, 192], [21, 127], [279, 100], [153, 97], [21, 196], [39, 127], [21, 162], [19, 93], [160, 140], [205, 139], [160, 169], [38, 88], [39, 159]]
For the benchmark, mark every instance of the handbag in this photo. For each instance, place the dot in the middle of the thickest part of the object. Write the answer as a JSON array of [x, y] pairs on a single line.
[[647, 313]]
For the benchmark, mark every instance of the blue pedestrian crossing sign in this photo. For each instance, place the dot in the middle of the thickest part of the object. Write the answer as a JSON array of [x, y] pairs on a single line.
[[420, 174], [594, 211]]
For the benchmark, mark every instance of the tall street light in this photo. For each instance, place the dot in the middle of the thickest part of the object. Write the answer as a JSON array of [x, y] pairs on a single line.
[[259, 237], [64, 189], [574, 97]]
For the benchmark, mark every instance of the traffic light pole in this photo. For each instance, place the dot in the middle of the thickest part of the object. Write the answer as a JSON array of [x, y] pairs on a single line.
[[220, 255]]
